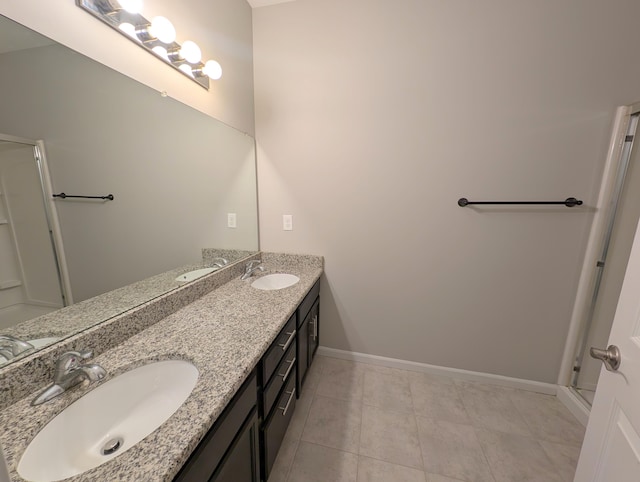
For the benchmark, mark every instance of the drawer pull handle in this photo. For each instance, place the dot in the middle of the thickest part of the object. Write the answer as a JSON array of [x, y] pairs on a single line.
[[292, 362], [315, 327], [284, 409], [284, 346]]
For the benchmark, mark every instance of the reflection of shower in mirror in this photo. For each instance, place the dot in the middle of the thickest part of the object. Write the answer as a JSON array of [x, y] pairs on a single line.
[[30, 280]]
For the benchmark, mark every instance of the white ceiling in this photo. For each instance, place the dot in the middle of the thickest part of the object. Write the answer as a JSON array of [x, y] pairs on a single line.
[[265, 3]]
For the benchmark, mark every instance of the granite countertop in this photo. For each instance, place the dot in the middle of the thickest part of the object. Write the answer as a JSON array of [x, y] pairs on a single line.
[[224, 334], [83, 314]]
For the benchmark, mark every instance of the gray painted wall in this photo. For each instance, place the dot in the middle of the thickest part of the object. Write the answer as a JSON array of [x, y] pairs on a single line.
[[373, 117]]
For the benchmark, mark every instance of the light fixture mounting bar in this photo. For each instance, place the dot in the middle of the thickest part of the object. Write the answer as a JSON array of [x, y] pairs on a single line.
[[110, 13]]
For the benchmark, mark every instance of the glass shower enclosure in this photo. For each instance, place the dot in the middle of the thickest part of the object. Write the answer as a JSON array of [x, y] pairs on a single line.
[[609, 270]]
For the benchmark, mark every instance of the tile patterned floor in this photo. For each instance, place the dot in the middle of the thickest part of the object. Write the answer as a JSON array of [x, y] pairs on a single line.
[[365, 423]]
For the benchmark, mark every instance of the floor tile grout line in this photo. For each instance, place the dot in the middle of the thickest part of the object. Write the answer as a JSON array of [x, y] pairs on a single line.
[[394, 410], [299, 439], [369, 457], [362, 405], [306, 417], [551, 462], [484, 454], [415, 420], [404, 466], [458, 391], [534, 434], [361, 421], [330, 447], [484, 426], [295, 452], [524, 417]]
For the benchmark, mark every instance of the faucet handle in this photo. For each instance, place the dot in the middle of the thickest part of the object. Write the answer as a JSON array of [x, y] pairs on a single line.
[[70, 361], [86, 354], [253, 263]]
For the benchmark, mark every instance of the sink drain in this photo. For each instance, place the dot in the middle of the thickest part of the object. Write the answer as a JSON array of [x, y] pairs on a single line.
[[112, 446]]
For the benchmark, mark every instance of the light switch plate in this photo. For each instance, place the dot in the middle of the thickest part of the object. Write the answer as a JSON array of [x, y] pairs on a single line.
[[287, 222]]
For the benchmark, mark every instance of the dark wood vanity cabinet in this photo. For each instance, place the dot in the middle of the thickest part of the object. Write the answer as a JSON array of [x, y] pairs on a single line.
[[282, 372], [244, 442], [308, 331], [229, 452], [242, 464], [277, 392], [313, 335]]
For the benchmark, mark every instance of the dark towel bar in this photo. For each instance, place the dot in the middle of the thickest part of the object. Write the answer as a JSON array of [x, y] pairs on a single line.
[[108, 197], [569, 202]]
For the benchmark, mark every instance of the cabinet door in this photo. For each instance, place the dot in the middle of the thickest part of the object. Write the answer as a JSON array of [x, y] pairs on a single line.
[[303, 352], [241, 462], [209, 456], [313, 331], [276, 426]]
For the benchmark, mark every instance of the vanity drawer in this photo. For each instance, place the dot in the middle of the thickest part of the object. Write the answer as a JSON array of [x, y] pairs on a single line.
[[285, 370], [283, 341], [308, 301], [207, 456], [276, 426]]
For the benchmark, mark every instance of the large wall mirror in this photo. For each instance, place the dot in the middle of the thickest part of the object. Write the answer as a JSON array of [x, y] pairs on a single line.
[[175, 174]]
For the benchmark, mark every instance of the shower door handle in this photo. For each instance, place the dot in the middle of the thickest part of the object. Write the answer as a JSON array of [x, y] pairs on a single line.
[[610, 357]]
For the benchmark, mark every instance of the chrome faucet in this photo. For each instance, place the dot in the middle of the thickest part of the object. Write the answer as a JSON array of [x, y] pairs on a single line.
[[251, 267], [69, 373], [10, 346], [220, 262]]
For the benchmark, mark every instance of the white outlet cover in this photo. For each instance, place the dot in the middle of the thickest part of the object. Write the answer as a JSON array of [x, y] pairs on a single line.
[[287, 222], [231, 220]]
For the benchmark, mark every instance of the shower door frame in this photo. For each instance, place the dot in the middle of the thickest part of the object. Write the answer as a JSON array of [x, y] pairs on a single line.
[[50, 211], [614, 174]]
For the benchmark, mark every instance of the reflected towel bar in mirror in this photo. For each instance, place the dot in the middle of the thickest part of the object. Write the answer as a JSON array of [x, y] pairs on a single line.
[[569, 202], [108, 197]]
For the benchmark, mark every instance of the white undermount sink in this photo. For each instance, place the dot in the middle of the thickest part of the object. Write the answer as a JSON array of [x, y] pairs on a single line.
[[108, 421], [195, 274], [276, 281]]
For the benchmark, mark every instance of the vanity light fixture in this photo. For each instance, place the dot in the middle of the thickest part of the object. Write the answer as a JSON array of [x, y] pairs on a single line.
[[157, 36]]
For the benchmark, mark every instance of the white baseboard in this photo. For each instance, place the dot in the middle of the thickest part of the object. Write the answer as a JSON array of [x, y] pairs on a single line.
[[574, 404], [521, 384]]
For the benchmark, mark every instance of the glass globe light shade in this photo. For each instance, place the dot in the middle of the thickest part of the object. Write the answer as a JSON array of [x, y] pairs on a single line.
[[131, 6], [190, 52], [161, 51], [129, 29], [212, 69], [186, 68], [162, 29]]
